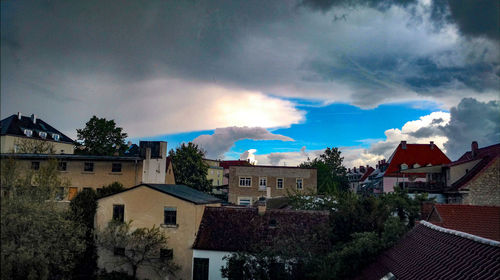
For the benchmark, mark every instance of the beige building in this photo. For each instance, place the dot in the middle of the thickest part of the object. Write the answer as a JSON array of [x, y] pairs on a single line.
[[248, 183], [17, 130], [176, 209], [85, 171], [215, 172]]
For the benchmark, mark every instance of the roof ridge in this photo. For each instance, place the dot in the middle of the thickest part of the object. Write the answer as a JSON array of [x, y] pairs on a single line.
[[461, 234]]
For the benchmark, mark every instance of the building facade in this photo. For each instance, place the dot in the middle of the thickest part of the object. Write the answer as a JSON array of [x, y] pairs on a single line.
[[248, 183], [215, 172], [176, 209]]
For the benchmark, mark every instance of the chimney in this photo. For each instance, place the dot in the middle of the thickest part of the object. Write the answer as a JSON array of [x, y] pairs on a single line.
[[474, 147], [432, 145], [261, 206], [19, 115], [403, 145], [129, 143], [349, 170], [354, 169], [33, 118]]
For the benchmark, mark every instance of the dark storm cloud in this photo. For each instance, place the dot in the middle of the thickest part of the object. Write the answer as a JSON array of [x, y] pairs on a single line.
[[473, 18], [426, 132], [472, 120]]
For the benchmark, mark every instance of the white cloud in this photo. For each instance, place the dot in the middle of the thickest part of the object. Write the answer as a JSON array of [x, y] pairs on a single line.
[[224, 138]]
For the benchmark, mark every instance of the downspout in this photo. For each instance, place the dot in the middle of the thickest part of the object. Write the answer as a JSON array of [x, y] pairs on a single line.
[[135, 178]]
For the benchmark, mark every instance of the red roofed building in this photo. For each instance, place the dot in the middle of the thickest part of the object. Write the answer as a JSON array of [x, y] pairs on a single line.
[[483, 221], [411, 156]]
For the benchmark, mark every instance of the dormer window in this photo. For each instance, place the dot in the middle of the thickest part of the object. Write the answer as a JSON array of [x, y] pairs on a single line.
[[42, 134], [416, 165], [28, 132], [55, 136], [404, 166]]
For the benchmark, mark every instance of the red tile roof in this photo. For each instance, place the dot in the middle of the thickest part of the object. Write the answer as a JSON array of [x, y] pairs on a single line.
[[483, 221], [428, 253], [367, 173], [243, 229], [493, 150], [423, 154]]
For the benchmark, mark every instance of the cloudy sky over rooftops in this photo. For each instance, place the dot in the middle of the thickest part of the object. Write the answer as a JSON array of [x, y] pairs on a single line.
[[279, 77]]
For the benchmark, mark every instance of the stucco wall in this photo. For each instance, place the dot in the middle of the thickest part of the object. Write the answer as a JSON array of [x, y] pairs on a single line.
[[7, 143], [145, 206], [289, 175], [215, 262], [484, 189], [458, 171]]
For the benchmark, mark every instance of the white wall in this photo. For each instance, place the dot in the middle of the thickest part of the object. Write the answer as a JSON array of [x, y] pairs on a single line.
[[215, 262]]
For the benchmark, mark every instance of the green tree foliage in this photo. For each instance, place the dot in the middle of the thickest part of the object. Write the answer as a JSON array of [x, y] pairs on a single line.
[[83, 209], [102, 137], [141, 247], [32, 146], [189, 167], [39, 239], [112, 188], [332, 175], [360, 228]]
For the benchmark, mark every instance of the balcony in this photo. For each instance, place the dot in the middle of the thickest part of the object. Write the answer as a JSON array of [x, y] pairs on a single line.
[[422, 186]]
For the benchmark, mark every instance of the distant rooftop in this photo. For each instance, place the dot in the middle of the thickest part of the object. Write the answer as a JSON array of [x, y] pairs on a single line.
[[16, 124]]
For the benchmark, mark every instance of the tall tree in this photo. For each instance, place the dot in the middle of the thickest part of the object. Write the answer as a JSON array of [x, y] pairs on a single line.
[[139, 247], [189, 167], [102, 137], [332, 175]]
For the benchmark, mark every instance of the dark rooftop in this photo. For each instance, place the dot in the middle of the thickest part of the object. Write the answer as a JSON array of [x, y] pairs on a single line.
[[431, 252], [14, 126], [180, 191]]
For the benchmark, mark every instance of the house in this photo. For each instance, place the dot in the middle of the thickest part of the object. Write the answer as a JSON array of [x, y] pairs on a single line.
[[247, 229], [149, 165], [16, 129], [248, 183], [407, 156], [482, 221], [429, 251], [354, 176], [472, 179], [176, 209], [215, 172]]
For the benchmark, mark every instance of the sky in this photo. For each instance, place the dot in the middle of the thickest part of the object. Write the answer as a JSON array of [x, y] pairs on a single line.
[[275, 82]]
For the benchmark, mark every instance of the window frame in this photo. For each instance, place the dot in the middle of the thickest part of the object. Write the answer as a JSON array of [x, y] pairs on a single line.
[[61, 164], [114, 164], [35, 165], [201, 268], [282, 183], [89, 163], [172, 218], [245, 178], [240, 198], [301, 183], [117, 215]]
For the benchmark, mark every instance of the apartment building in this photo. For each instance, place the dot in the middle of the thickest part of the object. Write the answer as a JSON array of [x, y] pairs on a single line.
[[215, 172], [248, 183]]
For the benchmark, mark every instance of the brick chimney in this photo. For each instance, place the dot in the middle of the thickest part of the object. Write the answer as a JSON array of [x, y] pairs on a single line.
[[403, 145], [432, 145], [474, 147], [33, 118]]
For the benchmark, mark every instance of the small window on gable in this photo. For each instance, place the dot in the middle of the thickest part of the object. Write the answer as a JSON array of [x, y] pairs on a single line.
[[170, 216], [42, 134], [119, 212], [416, 165], [28, 132], [55, 136]]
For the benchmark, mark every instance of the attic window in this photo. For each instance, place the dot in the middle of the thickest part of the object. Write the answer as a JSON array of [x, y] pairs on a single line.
[[28, 132], [55, 136], [404, 166], [42, 134], [416, 165]]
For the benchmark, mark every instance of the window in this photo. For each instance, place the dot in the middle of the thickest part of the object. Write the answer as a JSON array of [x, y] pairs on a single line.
[[87, 189], [404, 166], [55, 136], [88, 167], [62, 166], [299, 183], [42, 134], [245, 181], [416, 165], [166, 254], [119, 212], [246, 201], [119, 251], [170, 216], [200, 269], [262, 183], [279, 183], [60, 193], [116, 167], [35, 165], [28, 132]]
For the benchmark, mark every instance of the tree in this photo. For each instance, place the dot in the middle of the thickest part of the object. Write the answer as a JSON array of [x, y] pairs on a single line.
[[82, 210], [189, 167], [112, 188], [102, 137], [332, 175], [32, 146], [141, 247], [38, 239]]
